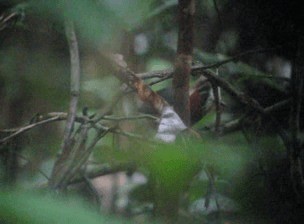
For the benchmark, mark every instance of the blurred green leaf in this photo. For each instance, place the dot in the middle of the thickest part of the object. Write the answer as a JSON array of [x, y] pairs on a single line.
[[172, 166], [27, 208]]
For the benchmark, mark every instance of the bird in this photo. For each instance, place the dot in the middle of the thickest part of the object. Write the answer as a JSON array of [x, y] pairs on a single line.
[[200, 100]]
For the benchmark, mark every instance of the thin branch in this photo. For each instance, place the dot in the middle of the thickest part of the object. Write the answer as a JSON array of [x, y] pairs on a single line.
[[110, 107], [6, 20], [93, 190], [297, 91], [277, 106], [41, 120], [75, 80], [198, 70], [71, 164], [297, 79], [58, 178], [143, 116], [159, 80], [217, 100], [166, 5], [211, 190], [83, 156], [218, 15], [237, 57], [168, 72], [240, 96], [114, 130], [236, 123], [20, 130], [60, 116], [156, 74], [232, 125], [130, 135]]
